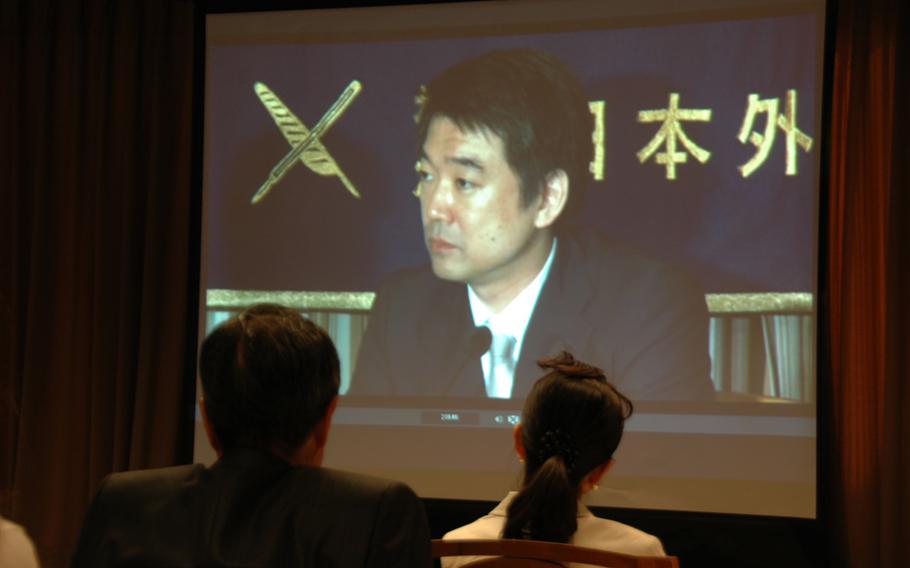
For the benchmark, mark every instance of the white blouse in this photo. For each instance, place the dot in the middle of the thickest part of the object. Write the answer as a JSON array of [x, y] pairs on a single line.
[[592, 532]]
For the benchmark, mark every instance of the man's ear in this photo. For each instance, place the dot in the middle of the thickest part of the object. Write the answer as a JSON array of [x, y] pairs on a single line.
[[553, 198], [209, 429], [519, 445], [312, 451], [321, 431]]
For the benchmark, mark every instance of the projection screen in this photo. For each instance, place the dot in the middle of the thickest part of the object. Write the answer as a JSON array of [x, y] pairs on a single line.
[[704, 160]]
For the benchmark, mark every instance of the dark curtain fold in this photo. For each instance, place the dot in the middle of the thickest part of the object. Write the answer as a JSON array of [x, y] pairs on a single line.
[[868, 331], [96, 123], [95, 297]]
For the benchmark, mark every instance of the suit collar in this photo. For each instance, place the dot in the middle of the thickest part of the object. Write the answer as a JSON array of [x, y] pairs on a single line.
[[559, 321], [458, 372], [250, 458]]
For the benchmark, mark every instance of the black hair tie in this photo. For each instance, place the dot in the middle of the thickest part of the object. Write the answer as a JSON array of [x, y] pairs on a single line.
[[556, 443]]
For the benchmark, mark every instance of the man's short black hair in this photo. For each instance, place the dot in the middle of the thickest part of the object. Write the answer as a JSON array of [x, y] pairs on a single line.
[[268, 376], [528, 98]]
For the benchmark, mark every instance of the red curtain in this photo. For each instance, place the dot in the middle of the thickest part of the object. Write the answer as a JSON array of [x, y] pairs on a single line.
[[867, 455], [96, 124]]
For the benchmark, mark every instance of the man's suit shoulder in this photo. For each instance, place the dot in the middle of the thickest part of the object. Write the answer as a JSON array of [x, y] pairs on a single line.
[[276, 513], [134, 490], [345, 486], [415, 284], [601, 258], [146, 481], [620, 274], [580, 252], [383, 518], [142, 485]]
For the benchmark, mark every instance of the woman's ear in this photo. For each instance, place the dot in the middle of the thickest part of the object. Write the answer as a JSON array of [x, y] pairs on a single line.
[[600, 471], [553, 198], [519, 445], [593, 478]]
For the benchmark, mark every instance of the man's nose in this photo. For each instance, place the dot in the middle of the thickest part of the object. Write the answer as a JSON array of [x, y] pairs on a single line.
[[441, 201]]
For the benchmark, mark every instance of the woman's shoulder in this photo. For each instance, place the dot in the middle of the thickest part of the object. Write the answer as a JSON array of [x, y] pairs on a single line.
[[488, 526], [595, 532]]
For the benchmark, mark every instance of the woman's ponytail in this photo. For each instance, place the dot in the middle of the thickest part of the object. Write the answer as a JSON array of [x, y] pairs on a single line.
[[546, 507]]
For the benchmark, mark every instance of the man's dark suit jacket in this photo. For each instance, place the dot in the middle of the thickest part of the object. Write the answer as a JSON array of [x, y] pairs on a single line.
[[640, 320], [253, 509]]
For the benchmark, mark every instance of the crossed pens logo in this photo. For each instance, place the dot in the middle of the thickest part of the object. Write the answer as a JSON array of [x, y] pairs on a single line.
[[305, 144]]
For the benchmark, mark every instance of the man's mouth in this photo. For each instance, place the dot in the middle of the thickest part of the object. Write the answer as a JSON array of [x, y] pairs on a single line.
[[440, 245]]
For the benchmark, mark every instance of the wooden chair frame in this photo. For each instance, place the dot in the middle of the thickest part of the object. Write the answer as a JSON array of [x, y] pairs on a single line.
[[528, 553]]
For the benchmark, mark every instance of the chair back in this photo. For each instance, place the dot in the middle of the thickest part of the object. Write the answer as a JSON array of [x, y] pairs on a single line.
[[504, 553]]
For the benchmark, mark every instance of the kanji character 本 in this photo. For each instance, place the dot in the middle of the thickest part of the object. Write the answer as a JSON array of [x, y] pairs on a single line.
[[669, 131], [765, 140]]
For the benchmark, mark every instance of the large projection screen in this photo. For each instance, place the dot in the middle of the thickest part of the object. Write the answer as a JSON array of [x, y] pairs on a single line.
[[704, 157]]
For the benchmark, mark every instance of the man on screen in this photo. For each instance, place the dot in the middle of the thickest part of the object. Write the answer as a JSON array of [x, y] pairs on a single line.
[[270, 383], [505, 140]]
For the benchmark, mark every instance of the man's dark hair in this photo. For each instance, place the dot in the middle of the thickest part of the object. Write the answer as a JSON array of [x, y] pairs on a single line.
[[268, 376], [572, 422], [529, 99]]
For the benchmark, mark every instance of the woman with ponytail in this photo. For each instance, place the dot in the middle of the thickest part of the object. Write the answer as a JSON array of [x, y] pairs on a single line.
[[572, 422]]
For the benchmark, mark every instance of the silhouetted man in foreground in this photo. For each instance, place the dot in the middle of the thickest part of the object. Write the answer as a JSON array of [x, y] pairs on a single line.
[[270, 383]]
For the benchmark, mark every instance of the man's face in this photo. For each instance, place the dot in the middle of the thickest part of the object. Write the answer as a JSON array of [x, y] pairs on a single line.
[[475, 226]]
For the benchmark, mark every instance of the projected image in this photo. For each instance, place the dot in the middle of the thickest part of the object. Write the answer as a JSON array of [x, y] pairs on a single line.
[[454, 203], [505, 146], [639, 197]]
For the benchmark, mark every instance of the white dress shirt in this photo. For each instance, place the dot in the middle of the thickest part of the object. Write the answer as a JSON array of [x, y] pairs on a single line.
[[511, 321]]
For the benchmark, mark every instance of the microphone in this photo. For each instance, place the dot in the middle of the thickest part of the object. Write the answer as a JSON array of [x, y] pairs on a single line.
[[478, 343]]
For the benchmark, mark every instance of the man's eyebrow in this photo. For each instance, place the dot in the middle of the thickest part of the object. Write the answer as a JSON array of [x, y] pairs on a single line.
[[464, 161]]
